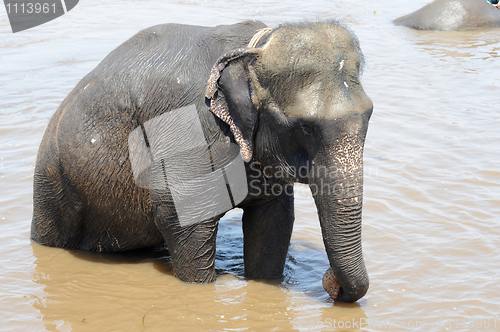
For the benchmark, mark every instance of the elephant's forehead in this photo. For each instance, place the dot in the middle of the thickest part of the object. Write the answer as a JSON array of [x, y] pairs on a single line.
[[327, 100], [295, 47]]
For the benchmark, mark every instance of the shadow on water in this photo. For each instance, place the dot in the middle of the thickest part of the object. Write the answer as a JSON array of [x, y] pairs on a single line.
[[131, 256], [158, 256]]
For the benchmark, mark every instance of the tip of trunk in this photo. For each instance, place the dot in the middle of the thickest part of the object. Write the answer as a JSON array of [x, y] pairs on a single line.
[[348, 294]]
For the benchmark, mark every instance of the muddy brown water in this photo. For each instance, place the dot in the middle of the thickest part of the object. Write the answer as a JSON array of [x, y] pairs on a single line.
[[431, 229]]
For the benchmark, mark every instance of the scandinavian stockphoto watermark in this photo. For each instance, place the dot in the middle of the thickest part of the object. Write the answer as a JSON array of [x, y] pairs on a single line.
[[449, 324], [26, 14], [341, 182], [170, 153]]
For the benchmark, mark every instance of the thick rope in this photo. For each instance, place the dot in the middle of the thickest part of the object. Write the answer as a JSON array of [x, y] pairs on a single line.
[[258, 36]]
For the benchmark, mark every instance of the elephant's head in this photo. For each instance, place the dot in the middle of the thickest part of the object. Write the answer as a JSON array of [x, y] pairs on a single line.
[[296, 103]]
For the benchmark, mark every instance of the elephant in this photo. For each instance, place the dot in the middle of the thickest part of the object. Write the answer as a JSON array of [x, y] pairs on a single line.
[[180, 124], [452, 15]]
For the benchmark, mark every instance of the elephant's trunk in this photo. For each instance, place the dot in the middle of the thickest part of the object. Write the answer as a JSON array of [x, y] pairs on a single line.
[[338, 196]]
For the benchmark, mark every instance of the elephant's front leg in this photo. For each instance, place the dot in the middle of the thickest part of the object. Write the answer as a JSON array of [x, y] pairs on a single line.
[[267, 229], [191, 247]]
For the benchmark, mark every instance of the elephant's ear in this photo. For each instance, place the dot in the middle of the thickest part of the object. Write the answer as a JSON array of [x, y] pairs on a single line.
[[230, 93]]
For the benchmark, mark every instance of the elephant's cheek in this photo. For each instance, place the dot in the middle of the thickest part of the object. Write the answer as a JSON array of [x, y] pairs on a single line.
[[331, 283]]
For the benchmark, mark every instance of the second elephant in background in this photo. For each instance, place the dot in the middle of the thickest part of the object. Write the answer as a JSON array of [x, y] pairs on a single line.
[[454, 15]]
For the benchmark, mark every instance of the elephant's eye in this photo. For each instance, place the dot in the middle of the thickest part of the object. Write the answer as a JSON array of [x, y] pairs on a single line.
[[308, 130]]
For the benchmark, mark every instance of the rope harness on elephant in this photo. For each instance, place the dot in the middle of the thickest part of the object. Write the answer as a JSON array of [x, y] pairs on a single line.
[[258, 36]]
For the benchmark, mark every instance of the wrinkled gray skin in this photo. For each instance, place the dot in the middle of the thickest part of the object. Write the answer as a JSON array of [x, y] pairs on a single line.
[[453, 15], [294, 100]]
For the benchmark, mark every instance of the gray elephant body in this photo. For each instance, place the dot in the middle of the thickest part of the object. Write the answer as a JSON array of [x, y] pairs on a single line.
[[452, 15], [291, 99]]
